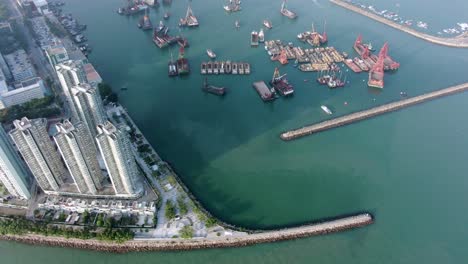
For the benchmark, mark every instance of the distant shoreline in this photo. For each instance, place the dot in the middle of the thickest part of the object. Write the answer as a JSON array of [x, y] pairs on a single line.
[[460, 41], [137, 245]]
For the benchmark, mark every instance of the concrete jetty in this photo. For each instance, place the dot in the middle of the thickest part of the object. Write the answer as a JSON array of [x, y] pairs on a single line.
[[460, 41], [369, 113]]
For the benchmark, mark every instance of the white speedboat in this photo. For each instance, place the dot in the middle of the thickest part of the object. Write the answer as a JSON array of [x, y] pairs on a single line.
[[210, 53], [326, 109]]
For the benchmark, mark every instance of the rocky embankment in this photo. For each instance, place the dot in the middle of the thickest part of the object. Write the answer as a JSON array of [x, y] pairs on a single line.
[[198, 243]]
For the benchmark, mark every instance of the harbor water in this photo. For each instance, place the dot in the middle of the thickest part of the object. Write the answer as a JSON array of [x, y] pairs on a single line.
[[408, 168]]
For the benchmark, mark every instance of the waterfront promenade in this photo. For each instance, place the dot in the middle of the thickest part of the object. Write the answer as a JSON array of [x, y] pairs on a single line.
[[341, 224], [460, 41], [369, 113]]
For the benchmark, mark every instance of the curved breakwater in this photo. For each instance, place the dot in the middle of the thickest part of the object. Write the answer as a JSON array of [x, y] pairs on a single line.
[[331, 226], [456, 42], [366, 114]]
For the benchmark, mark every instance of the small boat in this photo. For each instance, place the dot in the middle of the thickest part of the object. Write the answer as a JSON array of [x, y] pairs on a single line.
[[261, 36], [246, 68], [167, 15], [240, 68], [254, 38], [209, 67], [203, 68], [267, 24], [222, 67], [234, 68], [369, 46], [210, 53], [215, 67], [228, 69], [237, 24], [213, 89], [172, 68], [326, 109]]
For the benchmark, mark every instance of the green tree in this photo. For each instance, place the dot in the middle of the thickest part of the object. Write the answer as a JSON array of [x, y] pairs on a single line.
[[186, 232], [170, 211]]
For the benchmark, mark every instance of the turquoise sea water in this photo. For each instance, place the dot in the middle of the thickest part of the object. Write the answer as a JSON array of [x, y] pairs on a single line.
[[408, 168]]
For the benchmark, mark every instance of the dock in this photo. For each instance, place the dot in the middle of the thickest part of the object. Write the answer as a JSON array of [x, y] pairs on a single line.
[[460, 41], [369, 113]]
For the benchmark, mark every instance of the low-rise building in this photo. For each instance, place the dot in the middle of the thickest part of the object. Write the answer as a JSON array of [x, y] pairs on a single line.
[[20, 66], [22, 92], [56, 55]]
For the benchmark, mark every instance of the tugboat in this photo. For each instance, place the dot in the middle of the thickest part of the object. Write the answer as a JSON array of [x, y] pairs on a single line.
[[286, 12], [210, 53], [190, 19], [183, 65], [254, 39], [213, 89], [172, 68], [166, 15], [267, 24], [261, 36], [281, 84]]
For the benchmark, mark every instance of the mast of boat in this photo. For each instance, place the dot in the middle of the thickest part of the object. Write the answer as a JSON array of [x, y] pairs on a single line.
[[189, 12], [283, 5], [313, 28]]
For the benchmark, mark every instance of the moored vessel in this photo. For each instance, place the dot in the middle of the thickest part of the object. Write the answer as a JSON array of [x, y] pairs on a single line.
[[228, 67], [281, 84], [254, 38], [267, 24], [203, 68], [190, 20], [286, 12], [261, 36], [213, 89], [172, 67], [183, 65]]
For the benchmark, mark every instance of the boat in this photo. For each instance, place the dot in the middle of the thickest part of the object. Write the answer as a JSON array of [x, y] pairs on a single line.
[[261, 36], [228, 69], [203, 68], [167, 15], [355, 68], [376, 73], [210, 53], [264, 92], [323, 78], [145, 22], [190, 20], [213, 89], [361, 64], [286, 12], [172, 68], [233, 6], [237, 24], [326, 109], [246, 68], [281, 84], [215, 67], [209, 67], [267, 24], [234, 68], [254, 38], [369, 46], [183, 65], [222, 67], [240, 67], [132, 8]]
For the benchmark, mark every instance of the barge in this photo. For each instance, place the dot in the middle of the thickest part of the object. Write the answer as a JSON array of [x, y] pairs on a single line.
[[213, 89], [264, 92], [281, 84]]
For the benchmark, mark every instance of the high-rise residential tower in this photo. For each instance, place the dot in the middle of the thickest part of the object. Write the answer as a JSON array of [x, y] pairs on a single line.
[[38, 151], [78, 150], [13, 173], [89, 106], [70, 73], [115, 148]]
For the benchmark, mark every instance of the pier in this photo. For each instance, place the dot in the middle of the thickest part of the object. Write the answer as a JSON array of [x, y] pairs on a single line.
[[460, 41], [366, 114]]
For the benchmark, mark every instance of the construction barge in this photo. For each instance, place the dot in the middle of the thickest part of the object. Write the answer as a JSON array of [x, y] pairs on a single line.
[[264, 92], [190, 20], [286, 12], [213, 89], [316, 59], [225, 67], [314, 38], [281, 84], [369, 113], [162, 39]]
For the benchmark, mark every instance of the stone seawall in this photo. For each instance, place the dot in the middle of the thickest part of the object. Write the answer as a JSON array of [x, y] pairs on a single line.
[[331, 226], [366, 114], [456, 42]]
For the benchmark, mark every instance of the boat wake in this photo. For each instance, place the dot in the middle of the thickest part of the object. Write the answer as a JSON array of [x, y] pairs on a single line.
[[316, 2]]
